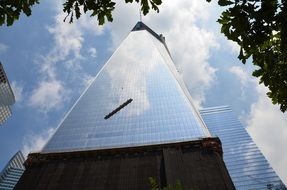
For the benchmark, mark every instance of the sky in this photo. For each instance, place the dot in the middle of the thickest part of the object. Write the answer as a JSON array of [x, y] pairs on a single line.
[[49, 63]]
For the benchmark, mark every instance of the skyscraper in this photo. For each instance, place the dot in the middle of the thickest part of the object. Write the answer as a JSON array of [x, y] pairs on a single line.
[[136, 99], [247, 166], [12, 172], [6, 96], [136, 120]]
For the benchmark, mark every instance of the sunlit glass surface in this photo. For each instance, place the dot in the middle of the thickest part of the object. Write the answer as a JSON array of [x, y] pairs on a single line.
[[136, 99]]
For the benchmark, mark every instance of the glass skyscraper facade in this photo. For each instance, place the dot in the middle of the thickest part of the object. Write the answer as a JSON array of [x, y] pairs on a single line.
[[136, 99], [12, 172], [6, 96], [135, 120], [247, 166]]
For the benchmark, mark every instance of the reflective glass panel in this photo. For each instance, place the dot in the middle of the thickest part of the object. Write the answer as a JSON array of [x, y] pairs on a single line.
[[136, 99], [246, 165]]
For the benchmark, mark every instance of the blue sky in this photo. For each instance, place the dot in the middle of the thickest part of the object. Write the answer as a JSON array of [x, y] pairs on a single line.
[[49, 63]]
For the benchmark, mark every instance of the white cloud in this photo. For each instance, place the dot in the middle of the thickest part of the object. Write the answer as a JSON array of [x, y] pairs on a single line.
[[90, 24], [192, 59], [3, 48], [18, 91], [232, 46], [93, 52], [268, 126], [50, 92], [48, 95], [68, 38], [244, 77], [35, 142], [189, 44], [241, 74]]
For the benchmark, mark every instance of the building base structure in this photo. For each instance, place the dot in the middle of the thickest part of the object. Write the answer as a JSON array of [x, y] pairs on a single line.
[[195, 164]]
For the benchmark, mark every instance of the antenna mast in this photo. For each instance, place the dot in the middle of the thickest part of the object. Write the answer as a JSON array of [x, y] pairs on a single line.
[[140, 14]]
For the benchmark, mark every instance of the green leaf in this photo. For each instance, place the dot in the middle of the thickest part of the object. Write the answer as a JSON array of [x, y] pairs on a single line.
[[2, 20], [157, 2], [241, 56], [9, 20], [101, 18], [77, 10], [224, 2], [258, 73], [144, 6]]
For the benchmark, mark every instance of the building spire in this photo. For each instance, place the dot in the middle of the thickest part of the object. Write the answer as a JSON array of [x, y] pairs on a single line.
[[140, 14]]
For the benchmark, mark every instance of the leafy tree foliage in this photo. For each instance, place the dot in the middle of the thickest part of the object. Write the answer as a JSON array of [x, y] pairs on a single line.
[[259, 27], [10, 10], [103, 8]]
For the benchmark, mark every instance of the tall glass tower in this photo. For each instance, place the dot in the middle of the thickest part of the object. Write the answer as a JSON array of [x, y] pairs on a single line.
[[136, 120], [247, 166], [136, 99], [7, 97], [12, 172]]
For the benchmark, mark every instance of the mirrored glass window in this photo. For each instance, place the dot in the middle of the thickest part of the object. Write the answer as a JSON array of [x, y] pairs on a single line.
[[246, 165], [136, 99]]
